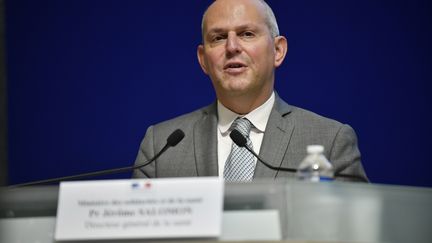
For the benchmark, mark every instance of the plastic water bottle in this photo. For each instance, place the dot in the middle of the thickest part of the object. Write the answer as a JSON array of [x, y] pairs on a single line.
[[315, 167]]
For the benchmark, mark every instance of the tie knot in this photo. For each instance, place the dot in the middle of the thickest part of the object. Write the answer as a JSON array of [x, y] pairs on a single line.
[[243, 125]]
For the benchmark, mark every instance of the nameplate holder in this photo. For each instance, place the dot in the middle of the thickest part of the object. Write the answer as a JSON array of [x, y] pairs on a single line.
[[140, 209]]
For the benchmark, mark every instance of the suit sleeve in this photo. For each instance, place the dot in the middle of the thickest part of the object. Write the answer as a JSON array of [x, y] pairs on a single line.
[[146, 152], [345, 155]]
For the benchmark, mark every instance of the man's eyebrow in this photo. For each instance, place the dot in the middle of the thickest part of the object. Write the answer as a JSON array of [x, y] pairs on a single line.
[[217, 30]]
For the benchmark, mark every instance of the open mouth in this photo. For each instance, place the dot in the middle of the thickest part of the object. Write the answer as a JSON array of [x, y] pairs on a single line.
[[234, 66]]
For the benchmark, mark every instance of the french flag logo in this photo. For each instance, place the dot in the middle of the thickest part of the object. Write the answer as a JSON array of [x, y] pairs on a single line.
[[146, 185]]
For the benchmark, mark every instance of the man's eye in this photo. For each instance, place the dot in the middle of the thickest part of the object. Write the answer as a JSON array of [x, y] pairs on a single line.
[[248, 34], [217, 38]]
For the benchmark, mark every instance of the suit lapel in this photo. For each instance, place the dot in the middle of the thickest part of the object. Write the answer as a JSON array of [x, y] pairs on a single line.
[[276, 139], [205, 143]]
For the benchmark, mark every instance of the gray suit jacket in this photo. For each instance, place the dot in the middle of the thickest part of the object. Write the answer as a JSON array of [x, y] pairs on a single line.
[[289, 130]]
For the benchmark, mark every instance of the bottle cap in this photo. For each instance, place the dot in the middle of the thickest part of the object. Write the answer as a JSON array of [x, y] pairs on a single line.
[[315, 149]]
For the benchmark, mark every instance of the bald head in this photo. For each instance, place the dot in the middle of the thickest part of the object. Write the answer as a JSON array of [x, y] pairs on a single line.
[[261, 6]]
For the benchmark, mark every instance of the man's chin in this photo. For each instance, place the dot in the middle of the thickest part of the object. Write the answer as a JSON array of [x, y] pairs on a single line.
[[237, 86], [237, 93]]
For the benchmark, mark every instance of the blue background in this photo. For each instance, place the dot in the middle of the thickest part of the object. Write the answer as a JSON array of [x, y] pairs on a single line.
[[87, 77]]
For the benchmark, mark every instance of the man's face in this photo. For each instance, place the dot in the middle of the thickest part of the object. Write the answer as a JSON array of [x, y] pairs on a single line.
[[239, 53]]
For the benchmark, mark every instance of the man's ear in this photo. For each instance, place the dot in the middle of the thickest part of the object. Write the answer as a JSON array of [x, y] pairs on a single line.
[[200, 55], [281, 49]]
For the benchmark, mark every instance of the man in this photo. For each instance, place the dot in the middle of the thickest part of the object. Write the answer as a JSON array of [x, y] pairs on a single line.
[[241, 50]]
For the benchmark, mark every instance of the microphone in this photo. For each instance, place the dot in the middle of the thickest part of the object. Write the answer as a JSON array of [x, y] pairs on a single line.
[[241, 141], [173, 139]]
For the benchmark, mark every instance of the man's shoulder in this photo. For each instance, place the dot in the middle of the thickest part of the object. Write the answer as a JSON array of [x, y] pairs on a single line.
[[303, 118], [307, 122], [308, 117]]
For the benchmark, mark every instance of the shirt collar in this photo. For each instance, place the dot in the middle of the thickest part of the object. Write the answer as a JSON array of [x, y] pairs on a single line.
[[258, 117]]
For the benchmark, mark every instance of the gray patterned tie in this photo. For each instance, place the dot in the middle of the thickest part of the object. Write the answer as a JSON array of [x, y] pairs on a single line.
[[240, 164]]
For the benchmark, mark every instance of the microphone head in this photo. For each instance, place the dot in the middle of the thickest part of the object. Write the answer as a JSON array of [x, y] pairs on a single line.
[[175, 138], [238, 138]]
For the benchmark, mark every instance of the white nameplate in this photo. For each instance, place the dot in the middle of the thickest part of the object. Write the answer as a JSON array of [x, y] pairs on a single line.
[[140, 209]]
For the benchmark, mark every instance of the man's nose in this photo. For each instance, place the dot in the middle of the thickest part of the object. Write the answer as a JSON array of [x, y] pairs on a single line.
[[233, 45]]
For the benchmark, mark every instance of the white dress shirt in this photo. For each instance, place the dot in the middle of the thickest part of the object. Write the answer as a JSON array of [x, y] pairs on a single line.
[[258, 117]]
